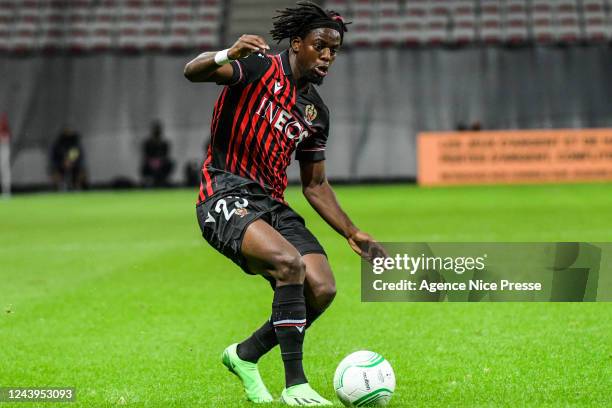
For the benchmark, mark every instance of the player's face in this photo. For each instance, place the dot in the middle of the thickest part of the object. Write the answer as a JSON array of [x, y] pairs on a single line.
[[316, 53]]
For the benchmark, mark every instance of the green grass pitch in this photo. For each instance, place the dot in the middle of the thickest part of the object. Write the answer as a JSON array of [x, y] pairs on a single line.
[[117, 294]]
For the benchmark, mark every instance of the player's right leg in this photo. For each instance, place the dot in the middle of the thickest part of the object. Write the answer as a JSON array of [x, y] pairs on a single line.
[[268, 253]]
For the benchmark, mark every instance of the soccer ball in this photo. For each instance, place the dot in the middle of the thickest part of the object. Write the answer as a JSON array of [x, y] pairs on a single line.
[[364, 378]]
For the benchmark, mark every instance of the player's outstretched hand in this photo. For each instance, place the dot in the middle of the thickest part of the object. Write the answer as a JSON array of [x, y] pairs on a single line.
[[366, 246], [246, 45]]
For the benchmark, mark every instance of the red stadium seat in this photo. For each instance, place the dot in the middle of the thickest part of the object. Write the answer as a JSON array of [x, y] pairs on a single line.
[[543, 30], [180, 39], [52, 39], [23, 39], [436, 30], [491, 31], [596, 29], [102, 37], [568, 30]]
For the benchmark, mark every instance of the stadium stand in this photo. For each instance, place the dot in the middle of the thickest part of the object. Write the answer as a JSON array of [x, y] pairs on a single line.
[[109, 25], [175, 25], [452, 22]]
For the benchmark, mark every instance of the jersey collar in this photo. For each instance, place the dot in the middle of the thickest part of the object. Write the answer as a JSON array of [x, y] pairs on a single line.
[[284, 57]]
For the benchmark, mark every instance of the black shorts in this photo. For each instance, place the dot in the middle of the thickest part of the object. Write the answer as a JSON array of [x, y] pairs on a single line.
[[224, 218]]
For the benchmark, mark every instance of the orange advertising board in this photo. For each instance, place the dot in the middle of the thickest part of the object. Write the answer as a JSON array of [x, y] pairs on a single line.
[[514, 156]]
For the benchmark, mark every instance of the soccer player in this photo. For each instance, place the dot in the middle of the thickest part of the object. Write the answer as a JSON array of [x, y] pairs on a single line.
[[268, 109]]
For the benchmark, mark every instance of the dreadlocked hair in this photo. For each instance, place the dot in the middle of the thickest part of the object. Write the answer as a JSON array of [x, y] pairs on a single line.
[[298, 21]]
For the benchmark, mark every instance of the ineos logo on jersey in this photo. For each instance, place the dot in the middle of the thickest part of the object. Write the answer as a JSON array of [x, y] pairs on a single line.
[[282, 120]]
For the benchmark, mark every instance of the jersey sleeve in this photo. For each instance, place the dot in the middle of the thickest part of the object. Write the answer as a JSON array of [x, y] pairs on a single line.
[[249, 69], [313, 148]]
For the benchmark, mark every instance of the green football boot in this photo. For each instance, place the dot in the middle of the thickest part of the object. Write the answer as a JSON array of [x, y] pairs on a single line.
[[303, 394], [248, 373]]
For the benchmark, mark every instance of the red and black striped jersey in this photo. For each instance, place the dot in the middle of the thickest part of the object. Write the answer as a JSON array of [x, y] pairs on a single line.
[[259, 120]]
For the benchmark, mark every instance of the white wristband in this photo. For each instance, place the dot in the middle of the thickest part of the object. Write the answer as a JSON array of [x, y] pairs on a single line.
[[221, 58]]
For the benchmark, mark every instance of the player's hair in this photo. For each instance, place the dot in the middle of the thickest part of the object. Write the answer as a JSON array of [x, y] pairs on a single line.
[[300, 20]]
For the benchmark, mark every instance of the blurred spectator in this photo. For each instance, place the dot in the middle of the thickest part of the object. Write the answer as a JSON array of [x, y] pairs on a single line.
[[68, 161], [157, 165], [192, 173], [461, 127]]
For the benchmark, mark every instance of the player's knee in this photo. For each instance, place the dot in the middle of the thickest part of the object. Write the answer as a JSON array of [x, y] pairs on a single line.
[[289, 268], [325, 293]]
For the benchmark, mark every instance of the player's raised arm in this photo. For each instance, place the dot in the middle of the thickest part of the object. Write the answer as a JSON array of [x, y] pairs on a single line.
[[322, 198], [213, 66]]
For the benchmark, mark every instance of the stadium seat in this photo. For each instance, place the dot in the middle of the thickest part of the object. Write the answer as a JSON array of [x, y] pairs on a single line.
[[361, 34], [516, 31], [206, 39], [388, 33], [51, 16], [4, 38], [596, 26], [129, 29], [388, 6], [514, 7], [593, 9], [490, 23], [568, 30], [389, 15], [154, 14], [543, 30], [411, 33], [206, 8], [153, 31], [464, 22], [7, 15], [79, 13], [416, 9], [202, 20], [440, 7], [463, 8], [490, 8], [464, 31], [102, 37], [180, 38], [541, 10], [596, 30], [25, 5], [78, 38], [23, 39], [107, 14], [339, 6], [515, 27], [436, 29], [363, 6], [566, 21], [566, 8], [52, 39]]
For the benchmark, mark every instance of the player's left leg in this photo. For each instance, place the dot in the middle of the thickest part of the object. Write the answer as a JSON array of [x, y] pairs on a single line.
[[319, 291], [319, 286]]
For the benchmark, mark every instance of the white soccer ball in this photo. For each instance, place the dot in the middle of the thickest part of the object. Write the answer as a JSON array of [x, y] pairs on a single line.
[[364, 378]]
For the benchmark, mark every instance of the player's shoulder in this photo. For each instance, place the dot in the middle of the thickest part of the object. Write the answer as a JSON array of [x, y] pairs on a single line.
[[257, 59], [250, 69]]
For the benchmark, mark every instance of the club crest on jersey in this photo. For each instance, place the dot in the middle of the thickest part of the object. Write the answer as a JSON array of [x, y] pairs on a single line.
[[311, 113], [241, 212]]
